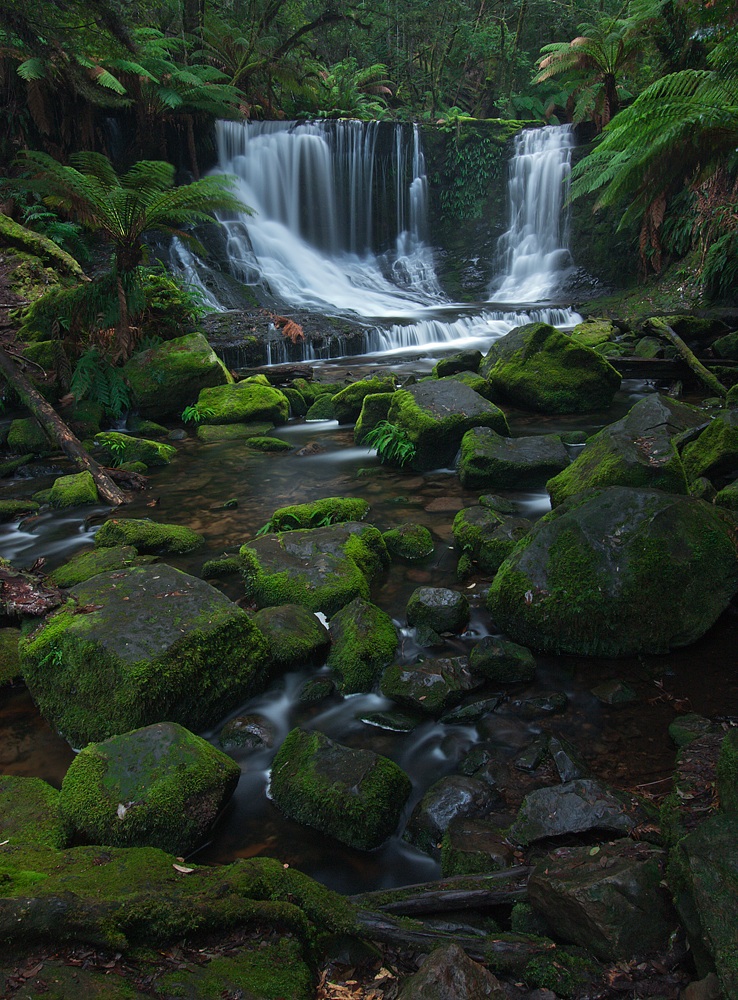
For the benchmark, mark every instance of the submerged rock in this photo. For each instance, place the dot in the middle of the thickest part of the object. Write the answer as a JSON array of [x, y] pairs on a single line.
[[152, 643], [616, 573], [355, 796], [363, 642], [490, 460], [160, 786], [249, 732]]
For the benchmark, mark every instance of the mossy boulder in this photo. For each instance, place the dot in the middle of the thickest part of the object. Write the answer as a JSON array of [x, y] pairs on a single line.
[[618, 572], [10, 666], [85, 565], [26, 437], [322, 408], [320, 568], [363, 641], [593, 332], [70, 491], [374, 410], [474, 381], [473, 846], [490, 460], [159, 786], [147, 536], [356, 796], [727, 346], [167, 378], [728, 496], [85, 418], [715, 452], [31, 813], [11, 510], [438, 608], [409, 541], [132, 449], [147, 429], [294, 635], [486, 538], [638, 450], [232, 432], [347, 402], [153, 644], [319, 513], [538, 368], [243, 403], [430, 686], [268, 444], [298, 406], [502, 662], [463, 361], [436, 414]]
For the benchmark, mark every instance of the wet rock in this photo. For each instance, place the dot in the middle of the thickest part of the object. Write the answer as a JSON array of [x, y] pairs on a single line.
[[394, 722], [316, 689], [453, 796], [538, 368], [545, 703], [474, 847], [463, 361], [11, 510], [167, 378], [639, 450], [498, 504], [268, 444], [248, 732], [618, 573], [449, 974], [319, 513], [294, 634], [439, 609], [31, 814], [531, 758], [321, 568], [243, 403], [489, 459], [152, 641], [85, 565], [429, 686], [609, 900], [566, 759], [467, 715], [715, 452], [487, 538], [409, 541], [576, 807], [348, 402], [160, 786], [501, 661], [147, 536], [614, 692], [355, 796], [436, 414], [475, 381], [363, 642], [119, 447], [374, 409], [686, 728]]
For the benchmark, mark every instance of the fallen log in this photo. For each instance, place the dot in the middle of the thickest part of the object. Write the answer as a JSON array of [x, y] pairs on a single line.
[[58, 432], [703, 374], [463, 892]]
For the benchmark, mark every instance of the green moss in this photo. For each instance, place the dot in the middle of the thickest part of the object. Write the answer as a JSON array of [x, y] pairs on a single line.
[[224, 566], [244, 402], [270, 444], [727, 773], [69, 491], [374, 409], [31, 814], [298, 406], [310, 391], [84, 565], [409, 541], [593, 332], [455, 862], [321, 409], [147, 428], [562, 972], [12, 234], [10, 666], [319, 513], [25, 435], [120, 447], [232, 432], [293, 634], [363, 642], [715, 452], [355, 796], [347, 403], [487, 538], [11, 510], [147, 536]]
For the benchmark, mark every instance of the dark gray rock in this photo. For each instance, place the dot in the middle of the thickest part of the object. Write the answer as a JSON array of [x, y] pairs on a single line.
[[487, 538], [449, 974], [294, 634], [429, 686], [451, 797], [472, 846], [438, 608], [505, 463], [248, 732], [501, 661]]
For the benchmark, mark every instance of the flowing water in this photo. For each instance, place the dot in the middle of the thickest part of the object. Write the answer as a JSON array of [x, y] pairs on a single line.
[[333, 251]]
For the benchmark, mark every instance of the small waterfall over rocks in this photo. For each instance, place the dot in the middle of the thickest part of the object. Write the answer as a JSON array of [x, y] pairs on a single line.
[[340, 228]]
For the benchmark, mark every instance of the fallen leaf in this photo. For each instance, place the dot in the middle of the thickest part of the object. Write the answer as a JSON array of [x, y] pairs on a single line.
[[182, 869]]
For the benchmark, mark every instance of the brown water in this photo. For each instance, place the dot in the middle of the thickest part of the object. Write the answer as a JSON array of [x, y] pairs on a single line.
[[628, 746]]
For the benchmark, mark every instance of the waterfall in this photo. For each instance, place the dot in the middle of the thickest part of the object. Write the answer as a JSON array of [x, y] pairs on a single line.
[[533, 252]]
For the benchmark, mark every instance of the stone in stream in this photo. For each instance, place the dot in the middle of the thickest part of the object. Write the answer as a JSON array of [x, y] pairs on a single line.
[[84, 565], [12, 510], [430, 686], [318, 513], [321, 568], [686, 728], [485, 538], [69, 491], [439, 609], [449, 974], [363, 641], [132, 449], [617, 573], [436, 414], [147, 536], [576, 806], [538, 368], [504, 463], [409, 541], [715, 452], [243, 403], [639, 450], [356, 796], [374, 409], [247, 732], [502, 662], [159, 786], [464, 361], [138, 644], [347, 403], [294, 635], [609, 899], [449, 798]]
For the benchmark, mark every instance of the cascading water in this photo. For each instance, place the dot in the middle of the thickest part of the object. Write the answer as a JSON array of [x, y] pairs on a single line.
[[325, 198], [533, 252]]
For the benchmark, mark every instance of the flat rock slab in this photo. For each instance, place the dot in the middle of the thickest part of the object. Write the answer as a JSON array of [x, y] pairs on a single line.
[[140, 645], [490, 460]]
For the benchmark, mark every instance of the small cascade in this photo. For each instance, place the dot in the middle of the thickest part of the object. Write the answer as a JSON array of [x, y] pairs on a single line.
[[533, 252]]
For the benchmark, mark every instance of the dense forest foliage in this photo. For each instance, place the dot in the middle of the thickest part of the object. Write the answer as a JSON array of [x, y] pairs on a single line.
[[141, 81]]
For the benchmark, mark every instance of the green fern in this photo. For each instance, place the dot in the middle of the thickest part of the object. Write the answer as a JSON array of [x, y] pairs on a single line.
[[392, 444], [94, 378]]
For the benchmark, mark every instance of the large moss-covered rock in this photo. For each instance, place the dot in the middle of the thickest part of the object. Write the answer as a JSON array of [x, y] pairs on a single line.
[[618, 572], [490, 460], [611, 901], [232, 432], [87, 564], [30, 813], [26, 437], [464, 361], [153, 644], [363, 641], [10, 666], [593, 332], [485, 538], [539, 368], [715, 452], [355, 796], [166, 379], [638, 450], [147, 536], [159, 786], [436, 414], [293, 634], [69, 491], [243, 403], [348, 402], [319, 513], [321, 568], [123, 447]]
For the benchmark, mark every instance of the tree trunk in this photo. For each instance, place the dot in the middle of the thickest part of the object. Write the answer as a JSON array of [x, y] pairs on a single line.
[[458, 893], [711, 381], [58, 432]]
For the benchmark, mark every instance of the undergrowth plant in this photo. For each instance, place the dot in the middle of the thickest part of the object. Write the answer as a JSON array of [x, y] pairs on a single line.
[[392, 444], [96, 379], [196, 412]]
